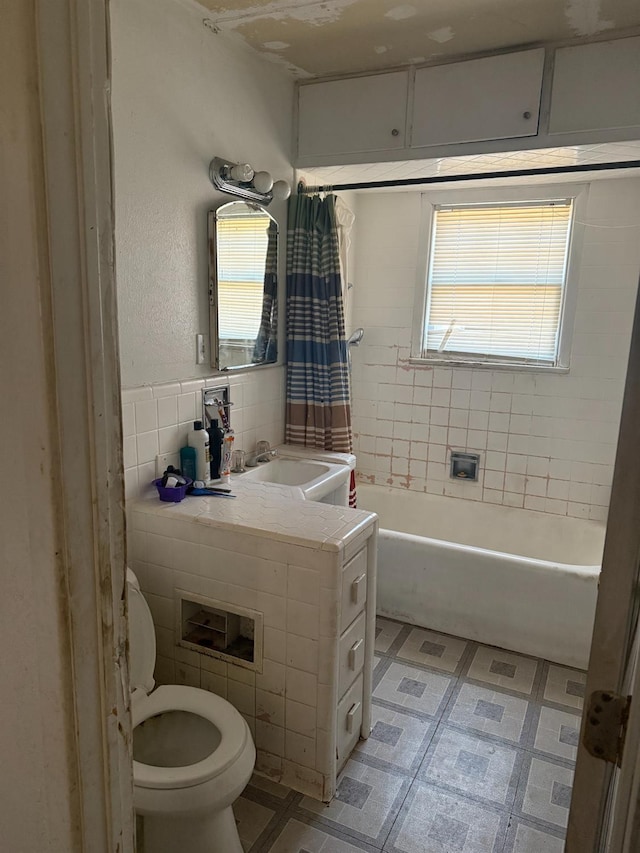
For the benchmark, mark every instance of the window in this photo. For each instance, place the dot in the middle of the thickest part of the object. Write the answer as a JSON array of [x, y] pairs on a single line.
[[496, 281], [242, 249]]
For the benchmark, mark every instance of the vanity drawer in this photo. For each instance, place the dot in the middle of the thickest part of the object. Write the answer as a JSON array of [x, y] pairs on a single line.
[[354, 588], [351, 653], [349, 721]]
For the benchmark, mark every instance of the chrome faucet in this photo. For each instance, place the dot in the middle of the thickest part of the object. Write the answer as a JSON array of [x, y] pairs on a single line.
[[263, 453]]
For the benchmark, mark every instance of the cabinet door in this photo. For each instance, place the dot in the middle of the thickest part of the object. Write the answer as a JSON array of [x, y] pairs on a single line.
[[596, 86], [497, 97], [358, 114]]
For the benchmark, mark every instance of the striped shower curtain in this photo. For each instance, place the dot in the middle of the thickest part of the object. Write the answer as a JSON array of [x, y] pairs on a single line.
[[318, 412], [266, 346]]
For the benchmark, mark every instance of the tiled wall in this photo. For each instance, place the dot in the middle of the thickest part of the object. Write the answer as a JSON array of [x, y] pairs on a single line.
[[267, 564], [157, 418], [282, 704], [547, 442]]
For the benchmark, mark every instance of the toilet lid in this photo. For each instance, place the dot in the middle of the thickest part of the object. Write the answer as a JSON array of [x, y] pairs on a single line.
[[142, 640]]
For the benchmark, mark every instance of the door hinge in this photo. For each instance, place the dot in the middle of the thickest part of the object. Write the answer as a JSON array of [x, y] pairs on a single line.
[[605, 726]]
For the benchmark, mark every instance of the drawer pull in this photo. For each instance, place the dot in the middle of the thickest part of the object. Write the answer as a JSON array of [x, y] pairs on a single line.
[[351, 715], [353, 651], [356, 587]]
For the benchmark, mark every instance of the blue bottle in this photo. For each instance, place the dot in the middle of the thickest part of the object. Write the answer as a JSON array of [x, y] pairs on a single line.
[[188, 462]]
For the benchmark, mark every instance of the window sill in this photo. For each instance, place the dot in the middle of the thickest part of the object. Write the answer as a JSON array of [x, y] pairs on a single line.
[[487, 365]]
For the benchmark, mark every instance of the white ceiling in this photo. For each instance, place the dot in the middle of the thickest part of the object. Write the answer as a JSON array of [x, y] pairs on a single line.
[[323, 37]]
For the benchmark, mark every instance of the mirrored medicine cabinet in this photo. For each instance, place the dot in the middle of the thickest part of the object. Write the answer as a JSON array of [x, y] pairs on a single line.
[[243, 286]]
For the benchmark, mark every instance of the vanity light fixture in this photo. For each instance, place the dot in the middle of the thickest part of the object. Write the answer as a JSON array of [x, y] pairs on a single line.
[[241, 180]]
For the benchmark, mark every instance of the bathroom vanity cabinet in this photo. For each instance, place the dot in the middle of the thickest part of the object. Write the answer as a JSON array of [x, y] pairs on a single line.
[[299, 579]]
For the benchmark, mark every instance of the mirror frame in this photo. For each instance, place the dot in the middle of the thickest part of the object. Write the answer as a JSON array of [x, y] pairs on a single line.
[[214, 338]]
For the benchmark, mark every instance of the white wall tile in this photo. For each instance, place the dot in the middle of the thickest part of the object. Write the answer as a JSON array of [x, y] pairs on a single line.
[[303, 584], [128, 419], [270, 708], [301, 686], [146, 416], [300, 749], [560, 427], [147, 446], [167, 411], [269, 738], [303, 620], [302, 653], [301, 718]]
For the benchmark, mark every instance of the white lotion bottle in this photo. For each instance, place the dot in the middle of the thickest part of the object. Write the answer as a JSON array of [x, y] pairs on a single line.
[[198, 438]]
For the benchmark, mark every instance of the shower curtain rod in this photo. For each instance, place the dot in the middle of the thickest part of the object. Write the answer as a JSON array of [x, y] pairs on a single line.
[[303, 189]]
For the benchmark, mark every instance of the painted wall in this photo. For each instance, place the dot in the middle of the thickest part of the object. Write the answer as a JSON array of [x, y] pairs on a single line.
[[39, 809], [547, 442], [181, 95]]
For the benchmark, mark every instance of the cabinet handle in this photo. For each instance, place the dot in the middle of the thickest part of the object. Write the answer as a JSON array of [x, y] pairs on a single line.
[[526, 114], [395, 132], [355, 588], [353, 651], [351, 715]]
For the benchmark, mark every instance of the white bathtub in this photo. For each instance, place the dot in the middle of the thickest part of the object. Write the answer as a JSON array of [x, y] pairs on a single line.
[[518, 579]]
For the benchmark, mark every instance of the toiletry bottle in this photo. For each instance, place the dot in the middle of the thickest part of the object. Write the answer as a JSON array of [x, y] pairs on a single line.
[[188, 457], [227, 450], [199, 438], [216, 437]]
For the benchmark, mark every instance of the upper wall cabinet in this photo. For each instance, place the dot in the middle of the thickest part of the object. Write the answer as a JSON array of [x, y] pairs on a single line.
[[353, 115], [596, 86], [497, 97]]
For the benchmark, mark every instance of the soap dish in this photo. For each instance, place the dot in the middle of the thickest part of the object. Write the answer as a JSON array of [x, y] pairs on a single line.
[[172, 494]]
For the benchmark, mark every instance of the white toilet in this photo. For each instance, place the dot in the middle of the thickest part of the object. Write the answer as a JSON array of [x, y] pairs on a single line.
[[192, 753]]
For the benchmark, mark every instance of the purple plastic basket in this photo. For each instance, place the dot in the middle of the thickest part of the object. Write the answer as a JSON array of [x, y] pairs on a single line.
[[173, 495]]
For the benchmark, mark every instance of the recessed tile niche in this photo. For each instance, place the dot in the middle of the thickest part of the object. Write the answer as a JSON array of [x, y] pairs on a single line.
[[225, 631]]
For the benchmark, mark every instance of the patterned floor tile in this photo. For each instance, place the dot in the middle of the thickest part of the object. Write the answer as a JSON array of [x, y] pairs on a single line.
[[434, 821], [298, 837], [413, 688], [269, 787], [564, 686], [386, 633], [557, 733], [397, 739], [438, 651], [491, 712], [504, 669], [544, 792], [366, 802], [473, 766], [525, 838], [251, 819], [480, 751]]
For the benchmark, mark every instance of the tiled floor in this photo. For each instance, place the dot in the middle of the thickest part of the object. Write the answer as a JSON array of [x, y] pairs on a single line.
[[472, 751]]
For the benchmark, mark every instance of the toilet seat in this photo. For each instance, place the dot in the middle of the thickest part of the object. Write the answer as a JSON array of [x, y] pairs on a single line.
[[231, 725]]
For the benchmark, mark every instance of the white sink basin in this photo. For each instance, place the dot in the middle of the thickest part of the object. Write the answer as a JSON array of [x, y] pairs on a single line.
[[315, 479], [287, 472]]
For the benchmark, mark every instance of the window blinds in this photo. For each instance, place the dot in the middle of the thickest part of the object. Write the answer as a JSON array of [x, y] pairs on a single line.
[[496, 281], [242, 251]]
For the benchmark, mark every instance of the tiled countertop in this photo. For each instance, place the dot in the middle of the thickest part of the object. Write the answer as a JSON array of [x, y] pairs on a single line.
[[267, 510]]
